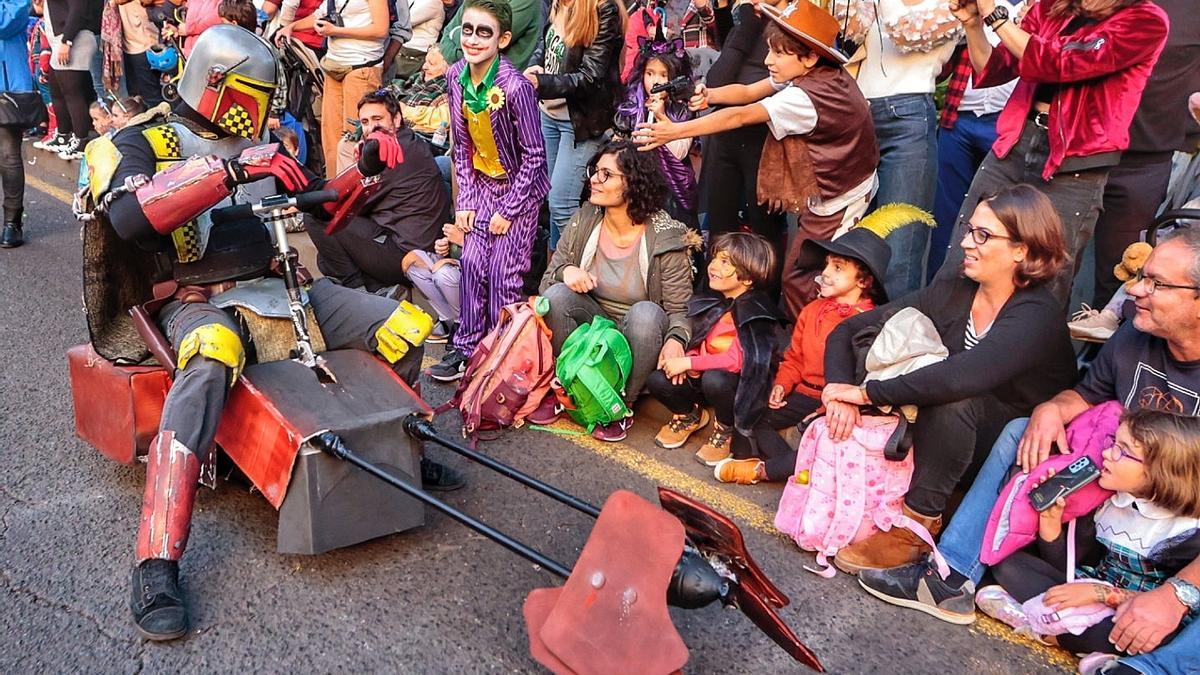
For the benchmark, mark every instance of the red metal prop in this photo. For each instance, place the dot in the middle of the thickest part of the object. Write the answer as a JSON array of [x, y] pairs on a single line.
[[611, 615], [117, 408]]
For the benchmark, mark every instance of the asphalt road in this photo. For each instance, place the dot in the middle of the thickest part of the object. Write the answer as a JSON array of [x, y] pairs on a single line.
[[439, 599]]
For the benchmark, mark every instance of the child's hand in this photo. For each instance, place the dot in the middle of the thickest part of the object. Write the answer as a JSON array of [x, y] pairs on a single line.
[[650, 135], [1050, 521], [499, 225], [776, 401], [1075, 594], [657, 104], [699, 99], [677, 366], [578, 280], [442, 247]]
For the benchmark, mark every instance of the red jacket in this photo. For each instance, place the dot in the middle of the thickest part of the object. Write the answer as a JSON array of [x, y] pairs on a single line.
[[1102, 70], [803, 366]]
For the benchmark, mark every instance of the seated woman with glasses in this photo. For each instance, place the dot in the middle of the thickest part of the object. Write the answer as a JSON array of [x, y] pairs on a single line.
[[1008, 351], [621, 256]]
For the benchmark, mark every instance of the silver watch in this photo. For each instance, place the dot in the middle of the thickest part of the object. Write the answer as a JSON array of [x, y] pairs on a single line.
[[1187, 593]]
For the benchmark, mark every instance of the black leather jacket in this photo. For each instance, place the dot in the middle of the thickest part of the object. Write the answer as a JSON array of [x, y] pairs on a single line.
[[591, 78]]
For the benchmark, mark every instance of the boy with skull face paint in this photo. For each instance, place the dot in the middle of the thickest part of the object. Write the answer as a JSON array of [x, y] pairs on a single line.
[[500, 165]]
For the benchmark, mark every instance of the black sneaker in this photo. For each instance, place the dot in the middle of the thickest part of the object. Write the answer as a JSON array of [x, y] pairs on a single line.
[[436, 477], [918, 586], [440, 334], [450, 368], [157, 601]]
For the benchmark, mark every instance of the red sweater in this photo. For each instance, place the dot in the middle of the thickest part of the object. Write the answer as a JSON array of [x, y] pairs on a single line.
[[803, 366], [720, 349]]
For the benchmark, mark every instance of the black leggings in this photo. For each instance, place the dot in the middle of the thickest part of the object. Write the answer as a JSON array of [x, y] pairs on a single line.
[[778, 457], [72, 93], [714, 387], [12, 173]]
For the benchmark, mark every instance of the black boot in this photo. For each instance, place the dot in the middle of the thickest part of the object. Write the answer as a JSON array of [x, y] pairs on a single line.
[[157, 601], [437, 477], [11, 236]]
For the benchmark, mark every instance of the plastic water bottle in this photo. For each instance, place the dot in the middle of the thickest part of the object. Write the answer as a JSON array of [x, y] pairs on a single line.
[[439, 136]]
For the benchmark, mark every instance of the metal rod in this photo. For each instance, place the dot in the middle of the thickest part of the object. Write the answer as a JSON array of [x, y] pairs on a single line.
[[420, 428], [332, 444]]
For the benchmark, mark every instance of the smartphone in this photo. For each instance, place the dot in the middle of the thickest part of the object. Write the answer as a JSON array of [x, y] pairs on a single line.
[[1080, 472]]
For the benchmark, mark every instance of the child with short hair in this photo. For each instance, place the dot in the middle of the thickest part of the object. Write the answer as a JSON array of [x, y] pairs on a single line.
[[1134, 542], [438, 276], [851, 283], [500, 164], [728, 362], [820, 158]]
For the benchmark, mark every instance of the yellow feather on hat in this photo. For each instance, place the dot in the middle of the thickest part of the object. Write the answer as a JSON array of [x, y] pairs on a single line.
[[891, 217]]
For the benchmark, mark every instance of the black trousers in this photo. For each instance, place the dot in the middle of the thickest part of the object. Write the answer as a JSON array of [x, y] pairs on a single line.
[[72, 93], [142, 80], [360, 255], [729, 178], [716, 388], [778, 457], [12, 173], [1135, 189], [950, 439]]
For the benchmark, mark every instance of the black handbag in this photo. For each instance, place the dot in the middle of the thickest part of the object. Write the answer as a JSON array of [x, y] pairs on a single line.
[[22, 109]]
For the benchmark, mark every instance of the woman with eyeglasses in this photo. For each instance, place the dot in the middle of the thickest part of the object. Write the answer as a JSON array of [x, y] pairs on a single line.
[[621, 256], [1008, 351]]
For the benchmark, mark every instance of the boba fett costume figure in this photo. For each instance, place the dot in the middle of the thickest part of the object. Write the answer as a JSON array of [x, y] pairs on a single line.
[[154, 244]]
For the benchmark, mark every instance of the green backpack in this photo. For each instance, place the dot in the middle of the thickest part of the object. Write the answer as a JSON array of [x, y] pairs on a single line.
[[593, 368]]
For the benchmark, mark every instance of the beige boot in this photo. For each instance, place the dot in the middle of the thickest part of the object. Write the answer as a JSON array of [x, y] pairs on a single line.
[[717, 446], [884, 550]]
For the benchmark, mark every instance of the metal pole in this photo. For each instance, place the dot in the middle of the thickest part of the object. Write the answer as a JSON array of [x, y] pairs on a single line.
[[332, 444], [422, 429]]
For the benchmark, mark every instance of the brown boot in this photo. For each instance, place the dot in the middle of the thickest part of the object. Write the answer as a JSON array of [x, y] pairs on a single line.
[[884, 550]]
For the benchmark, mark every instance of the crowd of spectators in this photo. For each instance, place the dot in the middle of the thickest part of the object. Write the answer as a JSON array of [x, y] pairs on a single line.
[[587, 150]]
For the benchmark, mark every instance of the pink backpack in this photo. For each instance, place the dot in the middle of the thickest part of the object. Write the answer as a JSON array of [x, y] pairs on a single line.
[[843, 492], [1013, 524], [509, 373]]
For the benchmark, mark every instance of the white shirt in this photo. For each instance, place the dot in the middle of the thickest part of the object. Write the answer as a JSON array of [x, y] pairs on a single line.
[[1139, 525], [888, 72], [352, 51], [426, 17], [990, 100]]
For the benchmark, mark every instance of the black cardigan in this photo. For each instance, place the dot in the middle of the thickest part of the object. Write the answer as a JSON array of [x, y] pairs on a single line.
[[71, 16], [591, 77], [1024, 360]]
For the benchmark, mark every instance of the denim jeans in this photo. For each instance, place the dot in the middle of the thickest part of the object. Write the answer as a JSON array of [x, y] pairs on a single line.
[[1180, 655], [962, 539], [960, 152], [906, 128], [566, 161]]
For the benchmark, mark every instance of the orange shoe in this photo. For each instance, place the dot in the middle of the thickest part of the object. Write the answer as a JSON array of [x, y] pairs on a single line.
[[740, 471]]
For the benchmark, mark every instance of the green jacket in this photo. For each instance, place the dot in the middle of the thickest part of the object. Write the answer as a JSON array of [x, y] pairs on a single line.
[[669, 274], [528, 25]]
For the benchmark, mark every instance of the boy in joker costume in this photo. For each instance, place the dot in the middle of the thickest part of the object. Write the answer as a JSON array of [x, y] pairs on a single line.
[[500, 165]]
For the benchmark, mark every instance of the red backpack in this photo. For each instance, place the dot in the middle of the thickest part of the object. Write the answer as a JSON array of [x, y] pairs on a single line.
[[509, 373]]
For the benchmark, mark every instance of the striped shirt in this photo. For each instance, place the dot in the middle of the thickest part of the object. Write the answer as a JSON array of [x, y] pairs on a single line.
[[973, 336]]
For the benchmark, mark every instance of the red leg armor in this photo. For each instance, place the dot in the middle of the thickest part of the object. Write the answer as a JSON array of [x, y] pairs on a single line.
[[171, 479], [353, 190]]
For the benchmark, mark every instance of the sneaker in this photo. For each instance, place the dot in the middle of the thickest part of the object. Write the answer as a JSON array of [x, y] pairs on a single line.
[[395, 292], [1095, 663], [1003, 607], [440, 333], [437, 477], [548, 411], [450, 368], [52, 144], [717, 446], [1092, 324], [740, 471], [73, 149], [157, 601], [918, 586], [613, 432], [675, 433]]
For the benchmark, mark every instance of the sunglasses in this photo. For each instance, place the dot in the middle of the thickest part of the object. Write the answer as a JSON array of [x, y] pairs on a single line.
[[481, 32]]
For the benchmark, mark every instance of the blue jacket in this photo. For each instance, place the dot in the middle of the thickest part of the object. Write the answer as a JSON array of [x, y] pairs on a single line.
[[14, 46]]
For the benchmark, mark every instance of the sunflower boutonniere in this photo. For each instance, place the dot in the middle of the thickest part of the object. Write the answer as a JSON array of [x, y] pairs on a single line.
[[495, 98]]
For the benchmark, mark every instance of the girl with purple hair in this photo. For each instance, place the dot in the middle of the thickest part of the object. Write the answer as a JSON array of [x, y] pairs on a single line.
[[659, 61]]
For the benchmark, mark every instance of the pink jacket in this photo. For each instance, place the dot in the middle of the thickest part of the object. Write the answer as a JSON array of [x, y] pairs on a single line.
[[1102, 70]]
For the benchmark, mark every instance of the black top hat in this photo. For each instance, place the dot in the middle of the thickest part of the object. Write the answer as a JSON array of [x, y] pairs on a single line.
[[858, 244]]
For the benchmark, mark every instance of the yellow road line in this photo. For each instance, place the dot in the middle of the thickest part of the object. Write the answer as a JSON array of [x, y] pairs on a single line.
[[51, 190]]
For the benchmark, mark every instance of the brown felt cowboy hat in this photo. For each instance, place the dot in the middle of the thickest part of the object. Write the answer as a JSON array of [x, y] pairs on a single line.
[[809, 24]]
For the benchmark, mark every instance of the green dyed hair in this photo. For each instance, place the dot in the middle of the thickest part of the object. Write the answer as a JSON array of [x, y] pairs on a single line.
[[497, 8]]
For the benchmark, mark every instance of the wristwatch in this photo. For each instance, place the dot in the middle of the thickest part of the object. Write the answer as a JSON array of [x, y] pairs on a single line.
[[1188, 594], [998, 15]]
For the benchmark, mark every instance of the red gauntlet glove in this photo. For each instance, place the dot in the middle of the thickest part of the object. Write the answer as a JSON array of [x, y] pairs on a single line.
[[379, 151], [268, 161]]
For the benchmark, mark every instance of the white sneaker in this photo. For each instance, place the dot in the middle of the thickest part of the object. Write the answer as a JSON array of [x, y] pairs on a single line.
[[1091, 324], [54, 144], [71, 150]]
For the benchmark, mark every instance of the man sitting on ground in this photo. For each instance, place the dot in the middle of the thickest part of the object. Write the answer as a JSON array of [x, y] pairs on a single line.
[[406, 214], [1150, 362]]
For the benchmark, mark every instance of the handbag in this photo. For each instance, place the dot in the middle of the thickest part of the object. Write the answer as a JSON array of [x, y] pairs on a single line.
[[1073, 620], [22, 109]]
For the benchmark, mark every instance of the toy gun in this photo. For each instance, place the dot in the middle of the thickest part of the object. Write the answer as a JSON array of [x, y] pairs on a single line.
[[678, 89]]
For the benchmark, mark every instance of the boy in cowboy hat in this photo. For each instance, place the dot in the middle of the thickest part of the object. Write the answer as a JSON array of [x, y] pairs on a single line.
[[820, 157]]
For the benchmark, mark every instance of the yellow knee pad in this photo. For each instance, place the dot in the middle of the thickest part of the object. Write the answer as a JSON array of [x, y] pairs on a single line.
[[408, 325], [217, 342]]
